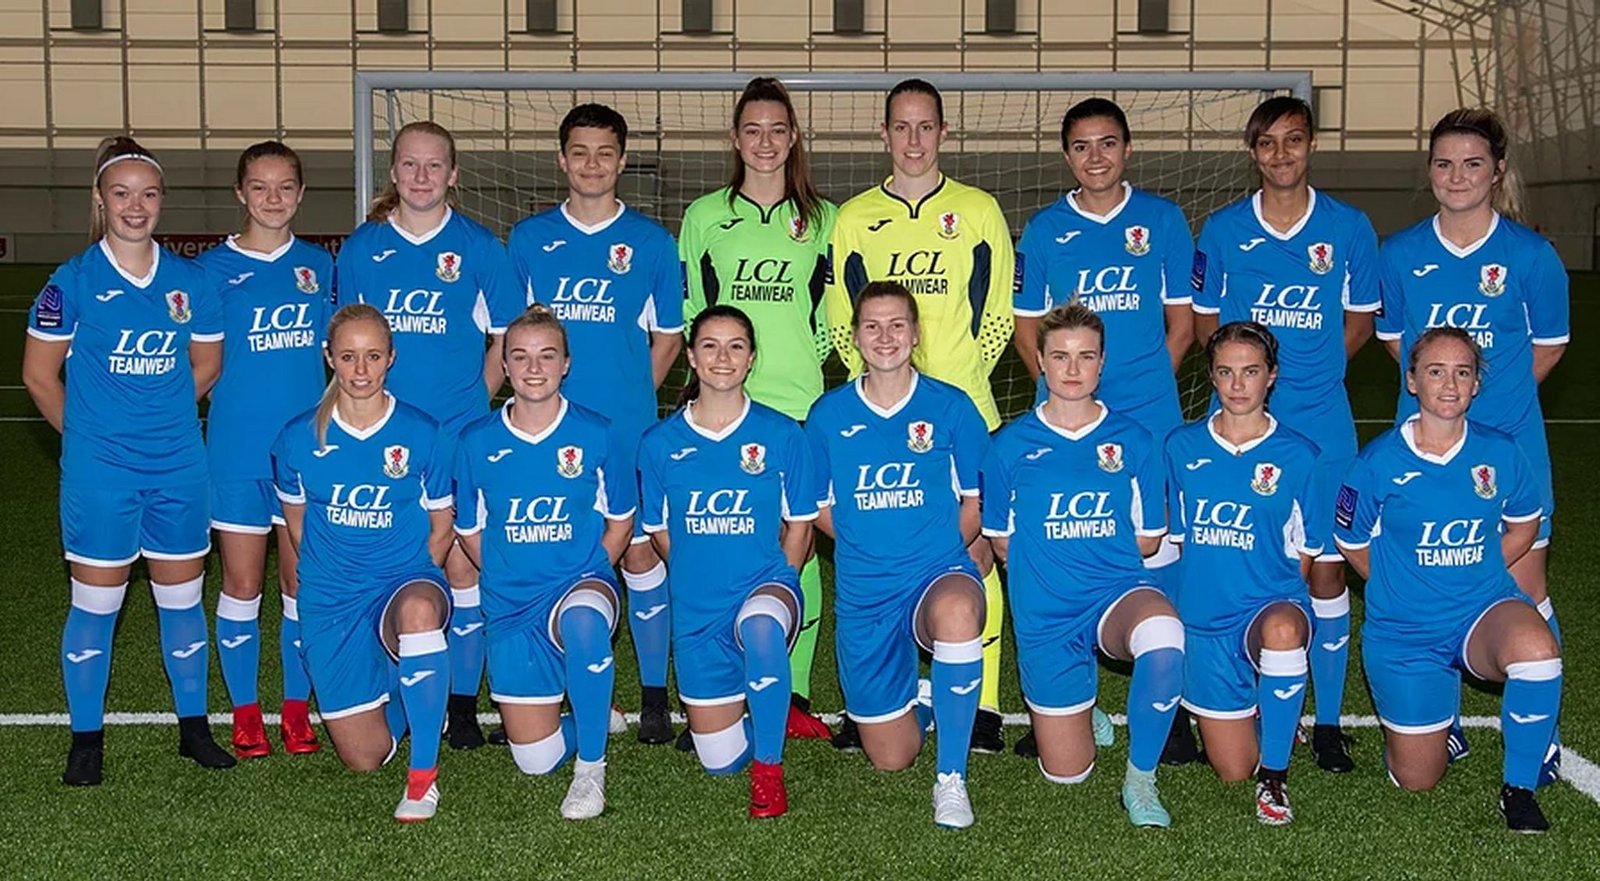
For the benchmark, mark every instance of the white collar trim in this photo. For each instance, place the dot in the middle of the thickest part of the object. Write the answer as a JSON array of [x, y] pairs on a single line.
[[597, 228], [541, 437], [688, 418], [137, 281], [1459, 252], [1408, 432], [896, 407], [1311, 208], [1081, 433], [369, 431], [264, 256], [427, 236], [1247, 446], [1102, 219]]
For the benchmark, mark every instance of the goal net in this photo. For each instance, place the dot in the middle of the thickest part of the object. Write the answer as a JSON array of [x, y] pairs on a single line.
[[1004, 138]]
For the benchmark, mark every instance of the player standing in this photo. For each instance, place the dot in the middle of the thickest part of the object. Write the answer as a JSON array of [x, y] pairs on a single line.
[[949, 245], [1304, 265], [446, 286], [1073, 498], [365, 482], [546, 497], [728, 498], [612, 277], [761, 244], [1432, 514], [897, 456], [145, 335], [1126, 254], [1246, 500], [276, 291], [1473, 266]]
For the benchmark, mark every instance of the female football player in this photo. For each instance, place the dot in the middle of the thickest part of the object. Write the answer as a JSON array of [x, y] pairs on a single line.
[[275, 292], [728, 499], [1245, 503], [365, 482], [1304, 265], [1473, 266], [448, 291], [897, 456], [545, 500], [761, 243], [1073, 500], [145, 335], [1458, 503]]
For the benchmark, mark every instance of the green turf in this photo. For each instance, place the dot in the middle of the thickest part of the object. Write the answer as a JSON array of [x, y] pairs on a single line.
[[158, 816]]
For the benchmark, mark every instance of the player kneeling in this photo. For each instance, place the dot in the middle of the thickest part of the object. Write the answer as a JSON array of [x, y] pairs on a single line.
[[886, 447], [1458, 504], [366, 489], [1247, 502], [728, 496], [546, 495], [1073, 497]]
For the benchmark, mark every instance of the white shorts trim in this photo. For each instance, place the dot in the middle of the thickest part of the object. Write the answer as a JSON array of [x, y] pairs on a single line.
[[1540, 544], [538, 700], [240, 528], [373, 704], [710, 701], [277, 520], [1326, 557], [194, 555], [1099, 639], [1073, 710], [1204, 713], [1204, 310], [886, 717], [103, 564], [1465, 664], [1430, 728]]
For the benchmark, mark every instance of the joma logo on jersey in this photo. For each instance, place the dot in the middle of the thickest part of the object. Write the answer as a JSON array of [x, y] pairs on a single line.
[[1084, 514], [539, 509], [1290, 305], [719, 503], [1451, 542]]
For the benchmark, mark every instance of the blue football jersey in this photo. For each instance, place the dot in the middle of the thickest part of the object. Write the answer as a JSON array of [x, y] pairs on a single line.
[[367, 495], [1509, 290], [1299, 284], [130, 421], [612, 285], [894, 479], [1432, 526], [275, 310], [1127, 266], [722, 498], [442, 292], [1072, 505], [1244, 514], [540, 501]]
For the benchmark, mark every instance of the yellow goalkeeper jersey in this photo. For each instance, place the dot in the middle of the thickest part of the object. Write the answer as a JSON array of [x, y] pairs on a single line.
[[952, 250]]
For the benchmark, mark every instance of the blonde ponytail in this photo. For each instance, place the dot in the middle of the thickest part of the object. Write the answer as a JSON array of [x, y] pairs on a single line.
[[330, 396]]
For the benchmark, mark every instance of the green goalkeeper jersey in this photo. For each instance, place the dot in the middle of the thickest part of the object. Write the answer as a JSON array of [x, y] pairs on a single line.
[[773, 265]]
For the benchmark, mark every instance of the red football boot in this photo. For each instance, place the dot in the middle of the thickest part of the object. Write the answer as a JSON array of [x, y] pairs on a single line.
[[299, 738], [249, 733], [803, 725], [768, 797]]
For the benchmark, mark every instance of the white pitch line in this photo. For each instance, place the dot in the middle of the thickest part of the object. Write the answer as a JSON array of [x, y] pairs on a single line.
[[1583, 774]]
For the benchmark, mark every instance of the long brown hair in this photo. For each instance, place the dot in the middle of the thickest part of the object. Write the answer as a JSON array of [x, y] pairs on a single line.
[[330, 396], [1486, 124], [263, 150], [389, 199], [121, 145], [691, 388], [798, 186]]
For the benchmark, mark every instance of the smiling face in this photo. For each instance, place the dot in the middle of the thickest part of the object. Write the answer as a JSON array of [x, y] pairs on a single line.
[[1445, 378], [423, 171], [1070, 361], [536, 362], [271, 192], [129, 195], [592, 161], [1097, 153], [721, 355], [361, 356], [1463, 172], [1282, 153], [1240, 374], [914, 134], [764, 136], [886, 333]]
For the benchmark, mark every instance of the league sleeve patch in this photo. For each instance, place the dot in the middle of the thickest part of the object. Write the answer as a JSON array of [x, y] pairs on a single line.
[[1197, 273], [1016, 274], [1344, 508], [47, 312]]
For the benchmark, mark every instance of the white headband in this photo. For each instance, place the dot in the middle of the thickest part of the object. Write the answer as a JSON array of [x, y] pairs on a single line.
[[124, 157]]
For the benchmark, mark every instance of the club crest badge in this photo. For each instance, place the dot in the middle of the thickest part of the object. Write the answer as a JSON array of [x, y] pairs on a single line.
[[396, 461], [1483, 481], [949, 225], [753, 458], [1110, 456], [449, 268], [178, 307], [1321, 255], [919, 436], [799, 229], [306, 280], [621, 259], [1265, 481], [1137, 240], [569, 461], [1492, 279]]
